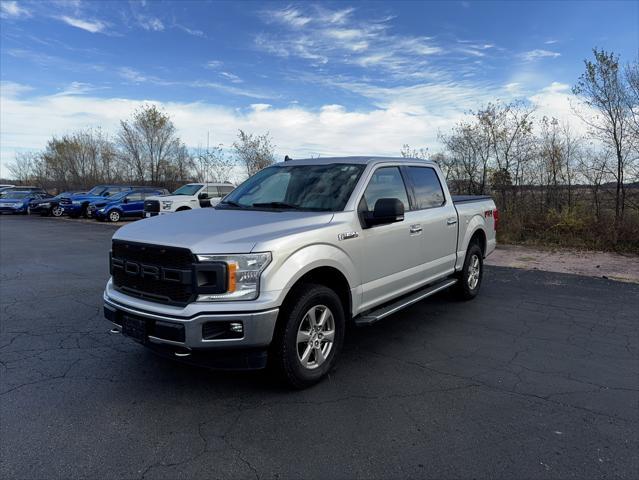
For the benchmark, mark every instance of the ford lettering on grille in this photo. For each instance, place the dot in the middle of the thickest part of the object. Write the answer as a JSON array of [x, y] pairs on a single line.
[[153, 272]]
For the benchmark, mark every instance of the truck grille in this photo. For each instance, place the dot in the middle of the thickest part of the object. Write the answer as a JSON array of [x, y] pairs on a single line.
[[152, 206], [152, 272]]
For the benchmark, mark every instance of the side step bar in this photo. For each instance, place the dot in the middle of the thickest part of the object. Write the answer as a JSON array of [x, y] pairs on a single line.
[[383, 312]]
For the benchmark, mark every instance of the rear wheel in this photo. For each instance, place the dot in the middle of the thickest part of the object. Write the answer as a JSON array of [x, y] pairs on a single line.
[[309, 336], [469, 279], [114, 216]]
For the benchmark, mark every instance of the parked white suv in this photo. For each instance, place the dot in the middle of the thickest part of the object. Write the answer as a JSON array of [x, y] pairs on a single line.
[[187, 197]]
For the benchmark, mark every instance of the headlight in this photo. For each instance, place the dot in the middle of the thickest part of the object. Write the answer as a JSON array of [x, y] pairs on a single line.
[[101, 210], [166, 205], [46, 204], [244, 273]]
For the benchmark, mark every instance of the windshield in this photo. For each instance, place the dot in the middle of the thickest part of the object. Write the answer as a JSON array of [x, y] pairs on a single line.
[[190, 189], [96, 190], [15, 195], [297, 187]]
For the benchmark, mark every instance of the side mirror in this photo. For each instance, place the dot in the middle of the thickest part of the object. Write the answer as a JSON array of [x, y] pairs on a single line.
[[387, 210]]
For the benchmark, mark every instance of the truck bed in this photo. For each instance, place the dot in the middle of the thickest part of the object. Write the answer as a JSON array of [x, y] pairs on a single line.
[[469, 198]]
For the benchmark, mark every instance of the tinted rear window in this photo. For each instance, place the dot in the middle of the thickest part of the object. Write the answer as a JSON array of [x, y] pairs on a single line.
[[428, 190]]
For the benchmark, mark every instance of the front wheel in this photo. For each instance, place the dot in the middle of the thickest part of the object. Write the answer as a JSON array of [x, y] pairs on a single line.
[[469, 279], [114, 216], [309, 336], [57, 211]]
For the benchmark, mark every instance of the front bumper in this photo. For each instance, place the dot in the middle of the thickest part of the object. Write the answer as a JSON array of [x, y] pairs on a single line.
[[189, 339], [7, 209]]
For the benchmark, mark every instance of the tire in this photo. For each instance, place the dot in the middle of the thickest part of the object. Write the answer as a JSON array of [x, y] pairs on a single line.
[[57, 211], [302, 352], [469, 279], [85, 211], [113, 216]]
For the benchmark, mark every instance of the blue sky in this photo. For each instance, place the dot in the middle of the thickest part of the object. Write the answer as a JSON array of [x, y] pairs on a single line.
[[323, 78]]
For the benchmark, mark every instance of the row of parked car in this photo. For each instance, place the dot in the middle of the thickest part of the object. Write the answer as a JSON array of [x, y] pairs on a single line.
[[111, 203]]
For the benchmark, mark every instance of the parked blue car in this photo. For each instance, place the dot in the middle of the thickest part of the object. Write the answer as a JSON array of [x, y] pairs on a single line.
[[76, 205], [17, 201], [124, 204]]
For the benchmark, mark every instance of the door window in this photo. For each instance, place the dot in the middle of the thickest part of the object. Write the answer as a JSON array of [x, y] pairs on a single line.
[[211, 192], [386, 182], [134, 197], [428, 190]]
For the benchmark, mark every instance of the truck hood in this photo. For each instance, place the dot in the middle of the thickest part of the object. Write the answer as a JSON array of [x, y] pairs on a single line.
[[208, 230]]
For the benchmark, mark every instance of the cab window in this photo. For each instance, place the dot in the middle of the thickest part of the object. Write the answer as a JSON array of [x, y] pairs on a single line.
[[386, 182], [428, 191]]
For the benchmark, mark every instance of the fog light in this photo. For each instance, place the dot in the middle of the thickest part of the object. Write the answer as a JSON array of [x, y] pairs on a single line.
[[236, 327]]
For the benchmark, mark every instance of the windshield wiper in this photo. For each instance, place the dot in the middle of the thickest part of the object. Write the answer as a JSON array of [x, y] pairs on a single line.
[[232, 204], [276, 205]]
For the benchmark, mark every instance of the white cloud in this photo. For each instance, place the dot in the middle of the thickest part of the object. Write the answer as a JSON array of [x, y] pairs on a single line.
[[231, 77], [191, 31], [537, 54], [213, 64], [334, 36], [413, 115], [13, 10], [93, 26], [289, 16], [150, 23], [78, 88]]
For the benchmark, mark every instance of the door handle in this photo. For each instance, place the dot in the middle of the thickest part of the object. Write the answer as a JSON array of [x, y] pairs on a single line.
[[415, 228], [451, 221]]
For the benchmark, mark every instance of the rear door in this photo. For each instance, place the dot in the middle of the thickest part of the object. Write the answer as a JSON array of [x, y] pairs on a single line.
[[436, 216]]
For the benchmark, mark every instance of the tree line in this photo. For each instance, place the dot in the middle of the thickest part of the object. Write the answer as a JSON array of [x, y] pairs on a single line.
[[552, 185], [146, 150]]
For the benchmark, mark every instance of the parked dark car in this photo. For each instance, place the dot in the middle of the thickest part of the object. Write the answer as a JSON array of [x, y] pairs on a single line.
[[17, 201], [77, 205], [125, 204], [50, 206]]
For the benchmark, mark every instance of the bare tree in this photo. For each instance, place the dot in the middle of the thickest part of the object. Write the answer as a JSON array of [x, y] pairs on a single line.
[[408, 152], [602, 88], [254, 152], [149, 142], [213, 165]]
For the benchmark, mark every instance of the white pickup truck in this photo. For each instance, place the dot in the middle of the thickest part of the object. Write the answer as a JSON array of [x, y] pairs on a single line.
[[276, 270], [187, 197]]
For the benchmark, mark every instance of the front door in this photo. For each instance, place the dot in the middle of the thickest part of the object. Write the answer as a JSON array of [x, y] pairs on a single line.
[[392, 252]]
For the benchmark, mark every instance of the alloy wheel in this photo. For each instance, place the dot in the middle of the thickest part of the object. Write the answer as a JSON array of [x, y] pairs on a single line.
[[315, 337], [474, 270]]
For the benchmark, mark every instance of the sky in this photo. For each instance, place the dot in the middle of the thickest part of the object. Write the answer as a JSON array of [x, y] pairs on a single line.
[[323, 78]]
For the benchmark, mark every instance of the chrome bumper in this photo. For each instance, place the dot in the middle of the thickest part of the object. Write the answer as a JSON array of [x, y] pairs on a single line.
[[258, 327]]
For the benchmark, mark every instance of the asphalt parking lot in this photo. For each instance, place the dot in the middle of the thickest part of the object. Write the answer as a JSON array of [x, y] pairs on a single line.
[[536, 378]]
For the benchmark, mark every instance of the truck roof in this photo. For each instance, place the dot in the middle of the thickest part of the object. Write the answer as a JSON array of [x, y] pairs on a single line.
[[353, 160]]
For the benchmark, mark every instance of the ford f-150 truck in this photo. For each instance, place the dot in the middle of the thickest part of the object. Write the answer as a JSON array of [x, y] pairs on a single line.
[[187, 197], [276, 270]]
